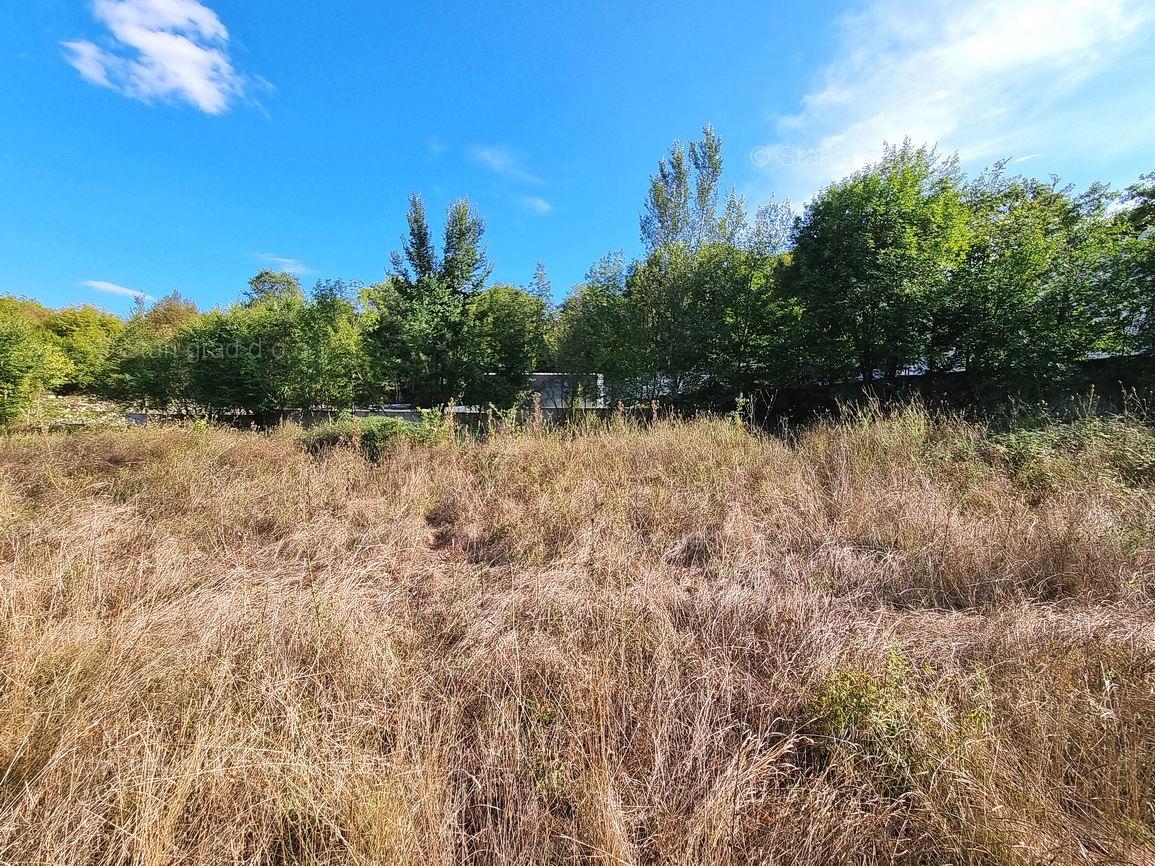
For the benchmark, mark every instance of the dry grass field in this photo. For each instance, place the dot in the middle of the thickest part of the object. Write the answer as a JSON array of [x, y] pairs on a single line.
[[888, 640]]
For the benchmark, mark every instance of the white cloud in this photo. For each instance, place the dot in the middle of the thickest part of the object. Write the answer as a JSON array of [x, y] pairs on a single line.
[[162, 49], [983, 77], [535, 204], [289, 266], [503, 163], [102, 286], [89, 62]]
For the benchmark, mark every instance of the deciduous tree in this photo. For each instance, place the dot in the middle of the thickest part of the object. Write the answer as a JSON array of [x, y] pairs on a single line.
[[872, 254]]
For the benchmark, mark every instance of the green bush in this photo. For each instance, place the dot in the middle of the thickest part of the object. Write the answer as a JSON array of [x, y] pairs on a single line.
[[899, 720], [379, 435], [374, 436], [342, 430]]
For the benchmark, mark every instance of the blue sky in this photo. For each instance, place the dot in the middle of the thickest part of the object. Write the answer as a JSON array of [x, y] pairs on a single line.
[[161, 145]]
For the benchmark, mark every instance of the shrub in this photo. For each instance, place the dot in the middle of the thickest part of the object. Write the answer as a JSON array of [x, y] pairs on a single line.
[[379, 435], [344, 430], [374, 436]]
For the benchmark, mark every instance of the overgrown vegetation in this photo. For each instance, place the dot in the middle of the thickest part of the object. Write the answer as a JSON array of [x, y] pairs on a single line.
[[901, 638], [1001, 285], [898, 637], [374, 436]]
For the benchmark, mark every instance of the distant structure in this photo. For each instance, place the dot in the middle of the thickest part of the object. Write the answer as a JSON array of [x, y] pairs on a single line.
[[560, 391]]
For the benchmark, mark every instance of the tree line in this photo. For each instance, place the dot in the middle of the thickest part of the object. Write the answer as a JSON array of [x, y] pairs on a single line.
[[905, 267]]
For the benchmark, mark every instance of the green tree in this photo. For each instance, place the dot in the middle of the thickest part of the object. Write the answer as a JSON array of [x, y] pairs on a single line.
[[145, 367], [541, 287], [31, 311], [682, 206], [417, 321], [270, 323], [872, 255], [27, 365], [147, 363], [85, 336], [274, 351], [672, 320], [675, 321], [223, 360], [703, 315], [598, 332], [1036, 290], [277, 288], [332, 362], [506, 335], [1139, 201], [753, 343], [1136, 265]]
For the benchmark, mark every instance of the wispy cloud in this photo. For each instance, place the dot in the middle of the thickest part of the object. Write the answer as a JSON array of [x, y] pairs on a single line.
[[979, 76], [501, 161], [113, 288], [535, 204], [161, 49], [289, 266]]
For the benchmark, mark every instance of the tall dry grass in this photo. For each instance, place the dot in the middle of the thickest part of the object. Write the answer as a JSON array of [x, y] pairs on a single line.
[[892, 640]]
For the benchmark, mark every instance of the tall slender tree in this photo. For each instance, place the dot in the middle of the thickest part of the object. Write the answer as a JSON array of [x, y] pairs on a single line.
[[417, 320]]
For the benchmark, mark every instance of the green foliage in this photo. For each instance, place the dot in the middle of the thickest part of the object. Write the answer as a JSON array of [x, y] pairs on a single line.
[[221, 353], [273, 288], [894, 721], [417, 320], [704, 310], [27, 364], [1007, 284], [170, 314], [84, 335], [276, 351], [682, 206], [379, 435], [1140, 201], [871, 256], [1118, 448], [598, 331], [331, 362], [1036, 290], [33, 312], [668, 308], [505, 338], [149, 362], [344, 430], [751, 342], [375, 435], [138, 368], [1135, 266], [77, 339]]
